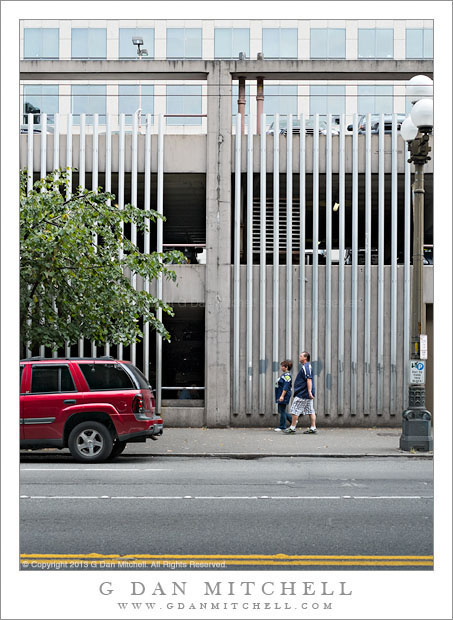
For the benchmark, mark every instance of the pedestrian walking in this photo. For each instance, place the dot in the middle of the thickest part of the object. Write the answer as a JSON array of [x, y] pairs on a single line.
[[283, 394], [304, 393]]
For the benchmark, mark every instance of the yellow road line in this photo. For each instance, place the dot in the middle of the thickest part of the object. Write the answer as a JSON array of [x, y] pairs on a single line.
[[237, 560], [265, 563], [278, 556]]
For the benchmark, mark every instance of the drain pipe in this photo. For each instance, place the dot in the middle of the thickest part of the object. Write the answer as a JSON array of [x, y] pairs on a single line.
[[259, 103], [241, 103]]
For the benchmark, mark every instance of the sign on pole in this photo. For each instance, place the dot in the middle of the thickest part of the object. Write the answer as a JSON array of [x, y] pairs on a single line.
[[423, 346], [417, 372]]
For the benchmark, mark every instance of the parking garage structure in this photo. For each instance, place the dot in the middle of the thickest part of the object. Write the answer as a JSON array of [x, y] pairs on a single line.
[[294, 240]]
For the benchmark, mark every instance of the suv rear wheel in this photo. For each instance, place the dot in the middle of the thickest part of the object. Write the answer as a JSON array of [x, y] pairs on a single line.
[[118, 448], [90, 442]]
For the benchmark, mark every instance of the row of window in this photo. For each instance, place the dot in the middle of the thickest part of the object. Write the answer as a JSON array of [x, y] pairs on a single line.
[[92, 99], [324, 99], [187, 99], [91, 43]]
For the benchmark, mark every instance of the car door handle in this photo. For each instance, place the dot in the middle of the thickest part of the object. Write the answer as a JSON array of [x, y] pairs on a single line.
[[70, 401]]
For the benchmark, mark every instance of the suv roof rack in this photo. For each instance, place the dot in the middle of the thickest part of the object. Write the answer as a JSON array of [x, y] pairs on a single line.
[[38, 358]]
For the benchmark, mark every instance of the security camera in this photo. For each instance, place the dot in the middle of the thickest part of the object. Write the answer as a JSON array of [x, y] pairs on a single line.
[[137, 41]]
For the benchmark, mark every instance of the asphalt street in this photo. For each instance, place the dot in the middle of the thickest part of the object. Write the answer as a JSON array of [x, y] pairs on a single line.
[[243, 511]]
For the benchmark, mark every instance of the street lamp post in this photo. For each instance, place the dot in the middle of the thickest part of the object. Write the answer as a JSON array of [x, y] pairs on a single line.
[[416, 129]]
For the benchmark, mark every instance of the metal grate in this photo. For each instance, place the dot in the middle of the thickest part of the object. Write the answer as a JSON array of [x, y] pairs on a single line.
[[270, 226]]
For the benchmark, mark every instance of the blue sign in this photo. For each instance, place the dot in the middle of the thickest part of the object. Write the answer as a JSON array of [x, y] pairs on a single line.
[[417, 372]]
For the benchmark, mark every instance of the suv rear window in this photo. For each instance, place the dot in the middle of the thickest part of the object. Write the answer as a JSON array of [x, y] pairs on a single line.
[[106, 377], [49, 379], [139, 376]]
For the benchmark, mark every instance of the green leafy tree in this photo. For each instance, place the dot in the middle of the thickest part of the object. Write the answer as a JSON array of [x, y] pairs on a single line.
[[76, 266]]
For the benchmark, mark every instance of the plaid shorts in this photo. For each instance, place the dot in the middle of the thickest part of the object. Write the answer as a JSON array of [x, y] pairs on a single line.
[[302, 406]]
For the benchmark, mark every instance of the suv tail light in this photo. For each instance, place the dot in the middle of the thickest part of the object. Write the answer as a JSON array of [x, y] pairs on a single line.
[[137, 404]]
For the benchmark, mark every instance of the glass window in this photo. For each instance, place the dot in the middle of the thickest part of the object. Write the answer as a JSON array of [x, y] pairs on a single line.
[[41, 42], [318, 42], [281, 99], [408, 106], [106, 377], [428, 43], [40, 98], [280, 42], [228, 42], [142, 381], [49, 379], [183, 42], [419, 43], [183, 99], [384, 43], [327, 99], [89, 43], [327, 43], [88, 99], [131, 97], [375, 99], [128, 49], [375, 42]]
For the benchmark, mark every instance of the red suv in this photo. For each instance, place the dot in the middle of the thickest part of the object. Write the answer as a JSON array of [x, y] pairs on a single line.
[[93, 406]]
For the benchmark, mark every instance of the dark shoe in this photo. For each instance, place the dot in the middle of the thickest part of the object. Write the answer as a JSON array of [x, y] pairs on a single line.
[[289, 430], [310, 431]]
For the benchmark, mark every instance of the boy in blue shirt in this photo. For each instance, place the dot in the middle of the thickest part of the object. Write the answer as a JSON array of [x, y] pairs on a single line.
[[283, 394], [304, 393]]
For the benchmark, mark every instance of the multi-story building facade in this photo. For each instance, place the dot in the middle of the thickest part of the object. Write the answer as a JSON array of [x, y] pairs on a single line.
[[334, 40], [295, 239]]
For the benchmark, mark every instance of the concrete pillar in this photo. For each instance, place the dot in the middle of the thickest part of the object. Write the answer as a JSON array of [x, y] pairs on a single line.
[[218, 247]]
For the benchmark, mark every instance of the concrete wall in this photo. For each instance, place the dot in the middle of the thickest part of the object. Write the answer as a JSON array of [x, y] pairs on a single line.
[[322, 153], [188, 154], [184, 154], [184, 417]]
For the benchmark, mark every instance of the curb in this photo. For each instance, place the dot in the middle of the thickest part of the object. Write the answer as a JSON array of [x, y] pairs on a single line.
[[259, 455], [254, 455]]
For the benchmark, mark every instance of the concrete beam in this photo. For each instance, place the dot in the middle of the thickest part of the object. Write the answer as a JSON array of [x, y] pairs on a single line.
[[187, 154], [114, 69], [330, 69], [322, 154], [199, 69]]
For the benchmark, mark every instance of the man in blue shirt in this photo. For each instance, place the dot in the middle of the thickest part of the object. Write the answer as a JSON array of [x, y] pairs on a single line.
[[304, 393], [283, 393]]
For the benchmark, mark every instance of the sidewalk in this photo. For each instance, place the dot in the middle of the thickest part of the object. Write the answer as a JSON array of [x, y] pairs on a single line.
[[259, 442]]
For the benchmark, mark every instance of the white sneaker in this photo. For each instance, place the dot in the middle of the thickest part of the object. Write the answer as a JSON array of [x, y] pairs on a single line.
[[279, 430]]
